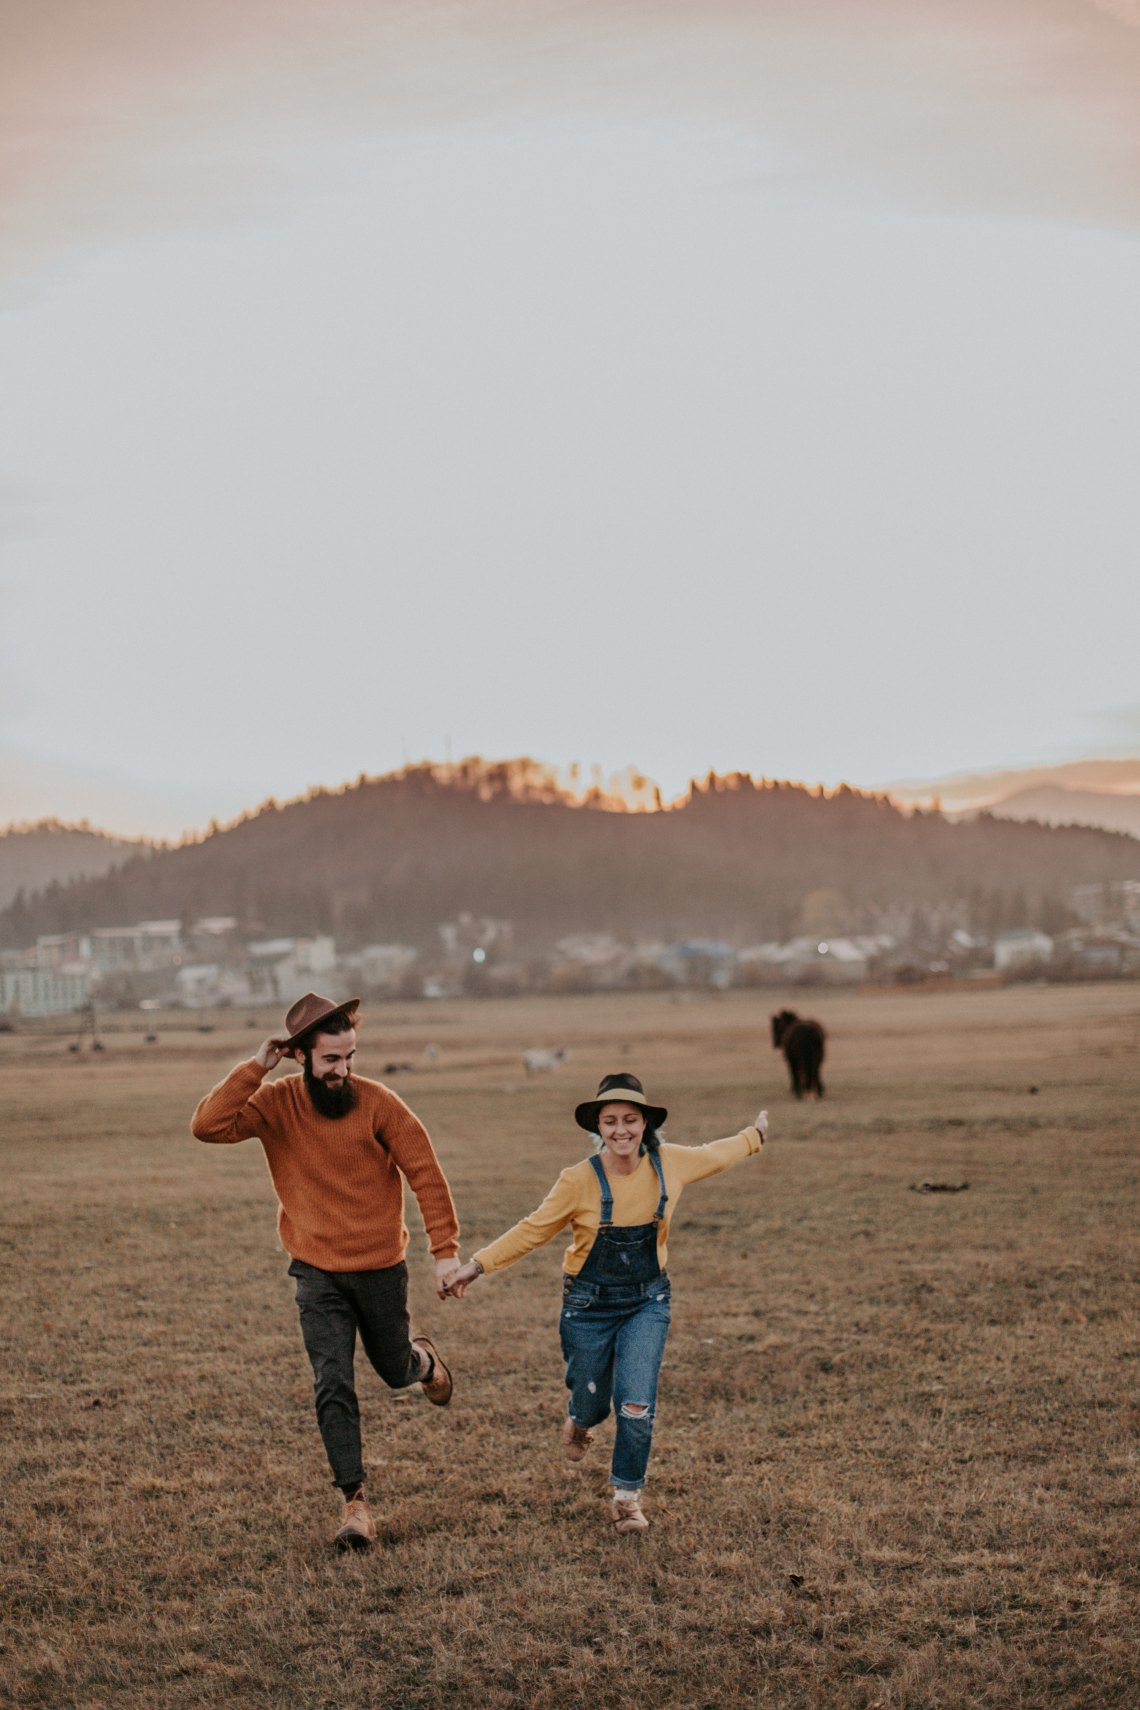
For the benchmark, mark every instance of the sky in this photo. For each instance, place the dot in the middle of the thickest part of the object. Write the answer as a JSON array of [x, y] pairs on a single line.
[[733, 386]]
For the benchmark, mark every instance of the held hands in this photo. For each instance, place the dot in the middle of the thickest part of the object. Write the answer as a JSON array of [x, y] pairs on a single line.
[[761, 1126], [452, 1278], [460, 1278], [270, 1053]]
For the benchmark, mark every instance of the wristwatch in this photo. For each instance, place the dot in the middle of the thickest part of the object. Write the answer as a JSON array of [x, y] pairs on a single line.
[[479, 1271]]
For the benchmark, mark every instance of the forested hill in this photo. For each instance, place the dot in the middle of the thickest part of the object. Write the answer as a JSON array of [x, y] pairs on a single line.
[[389, 858], [32, 856]]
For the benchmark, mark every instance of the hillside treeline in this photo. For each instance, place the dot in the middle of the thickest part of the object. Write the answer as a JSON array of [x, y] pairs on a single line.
[[388, 859]]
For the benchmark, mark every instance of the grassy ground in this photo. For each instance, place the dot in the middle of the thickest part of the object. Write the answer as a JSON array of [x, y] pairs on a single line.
[[896, 1454]]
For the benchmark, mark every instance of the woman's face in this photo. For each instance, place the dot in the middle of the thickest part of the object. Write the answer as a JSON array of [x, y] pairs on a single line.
[[621, 1127]]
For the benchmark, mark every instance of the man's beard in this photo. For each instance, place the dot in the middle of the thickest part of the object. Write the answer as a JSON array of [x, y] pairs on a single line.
[[328, 1100]]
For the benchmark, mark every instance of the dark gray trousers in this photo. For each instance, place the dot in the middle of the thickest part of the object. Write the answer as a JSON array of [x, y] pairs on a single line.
[[333, 1306]]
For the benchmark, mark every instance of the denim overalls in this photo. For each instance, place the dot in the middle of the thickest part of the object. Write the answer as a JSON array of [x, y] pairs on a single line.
[[615, 1318]]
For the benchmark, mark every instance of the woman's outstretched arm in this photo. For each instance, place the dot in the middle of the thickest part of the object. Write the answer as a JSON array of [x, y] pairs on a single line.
[[695, 1163]]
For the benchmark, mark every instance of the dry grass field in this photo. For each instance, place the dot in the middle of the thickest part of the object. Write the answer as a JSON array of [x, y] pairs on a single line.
[[896, 1455]]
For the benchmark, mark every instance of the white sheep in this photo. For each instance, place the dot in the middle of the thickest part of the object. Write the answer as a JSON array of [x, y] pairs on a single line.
[[544, 1062]]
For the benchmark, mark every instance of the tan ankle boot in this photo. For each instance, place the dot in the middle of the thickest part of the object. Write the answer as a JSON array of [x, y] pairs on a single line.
[[627, 1511], [358, 1529], [575, 1440], [439, 1385]]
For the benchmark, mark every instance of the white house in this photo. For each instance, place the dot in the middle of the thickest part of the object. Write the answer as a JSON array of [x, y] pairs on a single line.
[[1023, 947], [45, 991], [280, 968], [842, 961], [145, 948]]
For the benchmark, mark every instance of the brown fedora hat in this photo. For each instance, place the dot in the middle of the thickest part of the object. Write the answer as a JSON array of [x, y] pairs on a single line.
[[618, 1089], [308, 1013]]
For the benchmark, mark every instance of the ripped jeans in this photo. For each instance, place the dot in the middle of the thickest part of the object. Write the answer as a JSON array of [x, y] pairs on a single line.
[[613, 1338]]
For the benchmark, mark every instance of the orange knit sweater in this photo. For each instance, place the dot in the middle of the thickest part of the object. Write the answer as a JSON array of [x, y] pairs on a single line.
[[339, 1179]]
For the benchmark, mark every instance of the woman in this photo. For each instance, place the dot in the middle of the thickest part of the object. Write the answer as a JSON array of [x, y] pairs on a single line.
[[615, 1293]]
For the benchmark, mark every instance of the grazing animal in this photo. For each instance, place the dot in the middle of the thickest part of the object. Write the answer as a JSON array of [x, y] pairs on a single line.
[[802, 1045], [544, 1062]]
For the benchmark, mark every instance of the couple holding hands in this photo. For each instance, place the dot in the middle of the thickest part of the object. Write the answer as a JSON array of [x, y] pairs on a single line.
[[337, 1146]]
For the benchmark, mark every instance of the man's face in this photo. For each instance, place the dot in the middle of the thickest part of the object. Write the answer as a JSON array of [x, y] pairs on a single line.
[[328, 1072]]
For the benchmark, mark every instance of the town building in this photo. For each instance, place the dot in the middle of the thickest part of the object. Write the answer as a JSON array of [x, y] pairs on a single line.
[[44, 991], [1114, 903], [280, 968], [147, 948], [1024, 947]]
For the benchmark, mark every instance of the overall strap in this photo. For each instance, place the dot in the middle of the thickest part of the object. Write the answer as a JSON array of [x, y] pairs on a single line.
[[656, 1162], [607, 1197]]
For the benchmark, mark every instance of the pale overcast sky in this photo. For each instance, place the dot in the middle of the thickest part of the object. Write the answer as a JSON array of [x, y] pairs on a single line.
[[722, 385]]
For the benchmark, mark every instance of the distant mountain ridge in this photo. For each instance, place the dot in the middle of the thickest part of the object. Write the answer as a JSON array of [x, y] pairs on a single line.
[[1100, 792], [1053, 804], [388, 859], [35, 856]]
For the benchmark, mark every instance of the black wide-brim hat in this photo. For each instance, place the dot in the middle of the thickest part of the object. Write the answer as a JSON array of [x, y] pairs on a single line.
[[308, 1013], [618, 1089]]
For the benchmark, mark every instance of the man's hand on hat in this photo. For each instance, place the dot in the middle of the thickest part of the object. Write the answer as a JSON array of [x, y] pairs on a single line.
[[270, 1053]]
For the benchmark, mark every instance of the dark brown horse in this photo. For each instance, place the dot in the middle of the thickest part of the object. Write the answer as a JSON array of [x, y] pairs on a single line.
[[802, 1045]]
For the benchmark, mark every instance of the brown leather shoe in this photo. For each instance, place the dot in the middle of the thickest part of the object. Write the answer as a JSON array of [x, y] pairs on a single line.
[[627, 1512], [438, 1386], [575, 1440], [358, 1530]]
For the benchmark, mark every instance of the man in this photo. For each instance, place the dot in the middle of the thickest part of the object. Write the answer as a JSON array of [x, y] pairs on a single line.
[[337, 1147]]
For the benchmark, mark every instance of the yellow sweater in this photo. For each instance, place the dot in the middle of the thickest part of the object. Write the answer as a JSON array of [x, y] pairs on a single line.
[[576, 1198], [339, 1179]]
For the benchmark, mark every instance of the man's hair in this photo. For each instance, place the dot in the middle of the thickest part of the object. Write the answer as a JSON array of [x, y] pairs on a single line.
[[341, 1021]]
